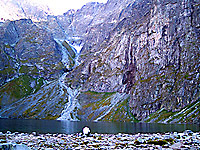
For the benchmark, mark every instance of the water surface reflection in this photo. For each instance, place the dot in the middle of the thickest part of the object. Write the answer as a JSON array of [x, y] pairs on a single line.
[[54, 126]]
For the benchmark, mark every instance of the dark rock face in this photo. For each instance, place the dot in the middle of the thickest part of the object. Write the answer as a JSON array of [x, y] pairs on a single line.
[[29, 55], [29, 47], [167, 75], [163, 39]]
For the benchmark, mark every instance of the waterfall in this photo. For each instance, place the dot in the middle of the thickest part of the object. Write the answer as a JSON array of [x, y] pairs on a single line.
[[67, 113]]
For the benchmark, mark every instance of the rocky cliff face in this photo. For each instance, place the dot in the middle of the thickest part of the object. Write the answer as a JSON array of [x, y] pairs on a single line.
[[139, 61], [152, 55], [30, 59], [26, 48], [88, 26]]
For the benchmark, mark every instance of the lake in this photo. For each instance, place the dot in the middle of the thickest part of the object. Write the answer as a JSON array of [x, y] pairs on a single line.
[[68, 127]]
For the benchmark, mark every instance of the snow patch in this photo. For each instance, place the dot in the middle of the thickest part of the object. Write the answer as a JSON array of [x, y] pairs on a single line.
[[76, 47]]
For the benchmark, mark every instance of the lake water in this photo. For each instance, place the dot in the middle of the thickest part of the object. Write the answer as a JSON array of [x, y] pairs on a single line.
[[54, 126]]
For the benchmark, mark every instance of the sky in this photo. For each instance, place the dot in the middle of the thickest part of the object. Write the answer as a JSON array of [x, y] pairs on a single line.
[[61, 6]]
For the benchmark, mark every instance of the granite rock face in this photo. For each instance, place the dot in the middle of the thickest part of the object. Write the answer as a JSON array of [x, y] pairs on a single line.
[[30, 58], [27, 48], [88, 26], [152, 54]]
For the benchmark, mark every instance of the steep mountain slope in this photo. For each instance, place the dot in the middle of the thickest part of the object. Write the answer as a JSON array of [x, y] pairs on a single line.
[[30, 58], [153, 55], [88, 26], [26, 48]]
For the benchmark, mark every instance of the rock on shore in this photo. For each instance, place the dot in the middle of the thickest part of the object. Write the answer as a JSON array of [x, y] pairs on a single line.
[[174, 140]]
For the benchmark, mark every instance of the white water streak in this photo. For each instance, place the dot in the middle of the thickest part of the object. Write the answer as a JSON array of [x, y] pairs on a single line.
[[76, 47], [72, 93], [72, 101]]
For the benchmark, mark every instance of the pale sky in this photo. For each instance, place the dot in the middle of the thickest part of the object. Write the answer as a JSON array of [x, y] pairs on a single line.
[[61, 6]]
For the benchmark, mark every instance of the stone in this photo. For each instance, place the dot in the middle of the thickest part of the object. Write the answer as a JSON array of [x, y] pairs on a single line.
[[11, 146], [108, 141], [140, 140], [176, 145], [34, 133], [8, 132], [188, 132]]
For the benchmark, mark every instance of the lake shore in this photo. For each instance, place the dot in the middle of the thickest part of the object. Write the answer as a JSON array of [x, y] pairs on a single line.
[[173, 140]]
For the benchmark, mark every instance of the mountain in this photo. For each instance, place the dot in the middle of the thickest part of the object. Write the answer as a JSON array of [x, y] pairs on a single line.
[[30, 58], [120, 61], [152, 55], [20, 9], [88, 26]]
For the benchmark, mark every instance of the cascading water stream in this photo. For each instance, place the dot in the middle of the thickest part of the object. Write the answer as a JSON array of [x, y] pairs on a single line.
[[72, 101], [67, 113]]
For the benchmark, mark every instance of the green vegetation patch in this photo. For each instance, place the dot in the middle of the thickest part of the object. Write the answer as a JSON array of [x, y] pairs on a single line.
[[159, 115], [48, 103], [120, 112], [187, 114], [20, 87], [102, 104], [8, 70], [29, 70], [90, 98], [103, 95]]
